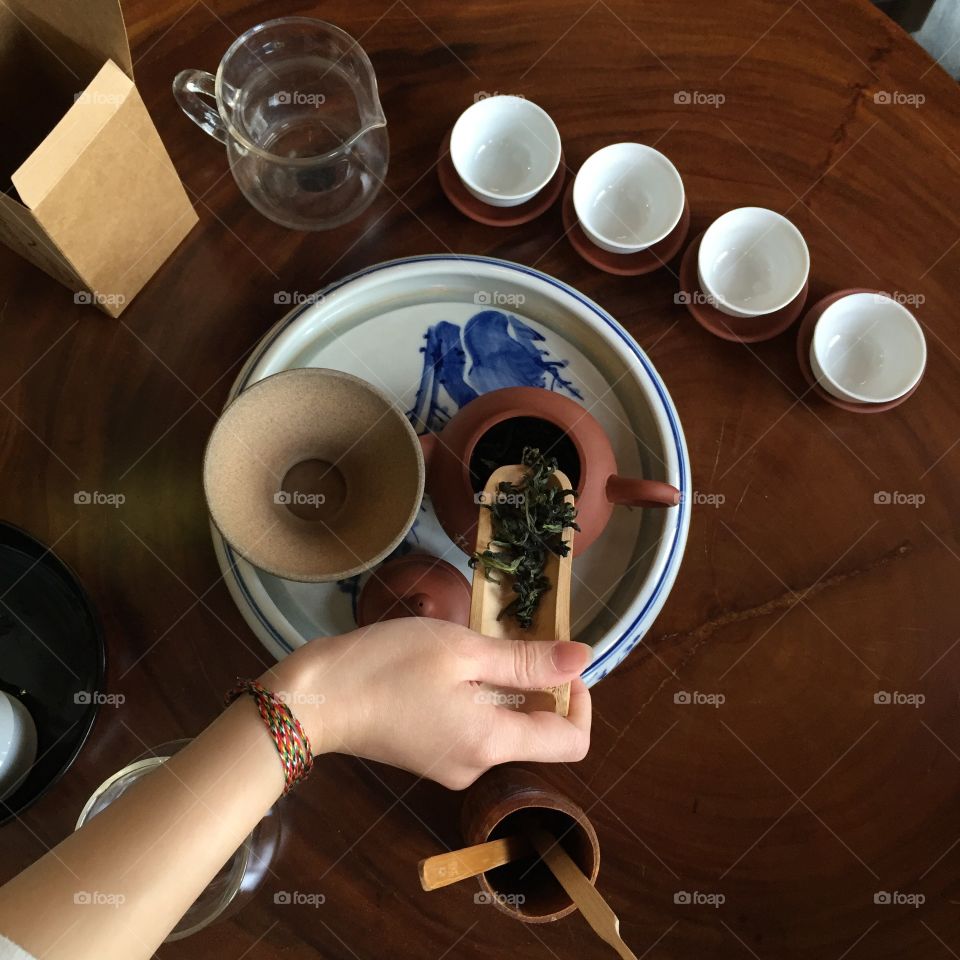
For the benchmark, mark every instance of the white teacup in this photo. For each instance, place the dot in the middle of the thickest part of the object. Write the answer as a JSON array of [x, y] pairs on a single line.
[[505, 150], [867, 348], [627, 197], [752, 261], [18, 744]]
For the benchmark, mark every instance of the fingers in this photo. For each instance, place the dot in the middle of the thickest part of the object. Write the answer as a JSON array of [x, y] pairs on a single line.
[[580, 712], [528, 664], [547, 737]]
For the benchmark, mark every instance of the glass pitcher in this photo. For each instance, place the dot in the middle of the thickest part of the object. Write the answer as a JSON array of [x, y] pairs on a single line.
[[295, 101]]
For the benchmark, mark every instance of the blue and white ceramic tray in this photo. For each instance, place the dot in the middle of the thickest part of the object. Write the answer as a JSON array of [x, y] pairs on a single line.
[[433, 332]]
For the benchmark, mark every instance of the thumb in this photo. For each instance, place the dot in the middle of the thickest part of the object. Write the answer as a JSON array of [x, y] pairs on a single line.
[[527, 664]]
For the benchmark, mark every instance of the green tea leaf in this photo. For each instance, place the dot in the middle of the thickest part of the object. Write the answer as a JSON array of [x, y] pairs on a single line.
[[527, 520]]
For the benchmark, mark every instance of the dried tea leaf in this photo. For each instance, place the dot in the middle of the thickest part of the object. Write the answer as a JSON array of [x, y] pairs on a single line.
[[528, 520]]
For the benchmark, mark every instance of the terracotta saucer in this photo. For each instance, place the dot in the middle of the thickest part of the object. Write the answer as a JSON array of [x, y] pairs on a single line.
[[804, 338], [489, 215], [720, 324], [624, 264]]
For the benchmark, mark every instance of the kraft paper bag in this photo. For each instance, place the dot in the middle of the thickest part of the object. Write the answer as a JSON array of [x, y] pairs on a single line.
[[98, 205]]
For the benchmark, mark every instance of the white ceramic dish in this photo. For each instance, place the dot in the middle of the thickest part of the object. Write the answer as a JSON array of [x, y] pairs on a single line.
[[752, 261], [435, 331], [505, 150], [867, 348], [18, 744], [627, 197]]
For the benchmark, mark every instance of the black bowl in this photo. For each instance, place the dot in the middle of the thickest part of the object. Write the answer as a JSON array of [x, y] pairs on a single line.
[[52, 657]]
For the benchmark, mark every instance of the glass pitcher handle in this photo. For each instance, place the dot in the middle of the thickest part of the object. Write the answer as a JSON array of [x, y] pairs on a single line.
[[190, 87]]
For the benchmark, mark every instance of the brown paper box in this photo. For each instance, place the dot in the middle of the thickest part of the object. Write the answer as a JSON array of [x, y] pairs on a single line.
[[100, 203]]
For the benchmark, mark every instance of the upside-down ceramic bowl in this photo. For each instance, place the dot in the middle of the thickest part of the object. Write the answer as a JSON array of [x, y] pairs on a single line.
[[313, 475]]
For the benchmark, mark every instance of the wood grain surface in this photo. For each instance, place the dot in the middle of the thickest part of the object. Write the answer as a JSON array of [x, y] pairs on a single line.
[[799, 799]]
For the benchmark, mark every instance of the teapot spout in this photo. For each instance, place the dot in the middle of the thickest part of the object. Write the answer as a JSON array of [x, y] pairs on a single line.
[[637, 492]]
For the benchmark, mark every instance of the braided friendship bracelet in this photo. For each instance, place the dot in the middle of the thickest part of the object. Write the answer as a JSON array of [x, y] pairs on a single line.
[[290, 739]]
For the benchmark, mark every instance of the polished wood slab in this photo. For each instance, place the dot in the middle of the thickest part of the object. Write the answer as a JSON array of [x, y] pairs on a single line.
[[801, 599]]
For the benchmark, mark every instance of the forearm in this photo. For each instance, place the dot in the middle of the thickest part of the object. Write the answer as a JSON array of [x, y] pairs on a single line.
[[149, 854], [403, 692]]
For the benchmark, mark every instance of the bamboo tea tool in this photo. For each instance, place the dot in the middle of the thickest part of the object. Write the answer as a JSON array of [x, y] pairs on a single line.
[[456, 865], [590, 903], [552, 619]]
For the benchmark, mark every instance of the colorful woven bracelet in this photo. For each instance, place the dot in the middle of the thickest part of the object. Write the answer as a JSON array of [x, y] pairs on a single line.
[[290, 738]]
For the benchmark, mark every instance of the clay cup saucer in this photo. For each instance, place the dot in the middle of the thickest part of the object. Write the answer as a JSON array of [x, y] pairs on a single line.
[[723, 325], [624, 264], [805, 338], [487, 214]]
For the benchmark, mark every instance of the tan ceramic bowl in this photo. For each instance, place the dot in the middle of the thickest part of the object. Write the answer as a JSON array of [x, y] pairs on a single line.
[[313, 475]]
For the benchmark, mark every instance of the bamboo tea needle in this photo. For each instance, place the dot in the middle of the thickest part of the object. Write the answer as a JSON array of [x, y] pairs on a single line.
[[590, 903]]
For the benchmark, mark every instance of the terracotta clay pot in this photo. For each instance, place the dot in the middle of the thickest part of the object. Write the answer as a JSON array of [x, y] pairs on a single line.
[[509, 419], [417, 585], [498, 805]]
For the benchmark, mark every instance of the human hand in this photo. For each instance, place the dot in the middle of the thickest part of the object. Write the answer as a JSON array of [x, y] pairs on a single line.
[[408, 692]]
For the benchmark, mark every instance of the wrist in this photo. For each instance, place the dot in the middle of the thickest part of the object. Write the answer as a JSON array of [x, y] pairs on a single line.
[[296, 681]]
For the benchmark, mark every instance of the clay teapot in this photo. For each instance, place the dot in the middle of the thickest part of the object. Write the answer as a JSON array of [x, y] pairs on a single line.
[[493, 429]]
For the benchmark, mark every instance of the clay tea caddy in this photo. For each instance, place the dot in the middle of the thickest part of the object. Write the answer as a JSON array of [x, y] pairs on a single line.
[[493, 429], [499, 805]]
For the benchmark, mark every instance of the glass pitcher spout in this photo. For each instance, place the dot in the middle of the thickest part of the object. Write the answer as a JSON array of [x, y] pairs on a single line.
[[377, 122], [371, 115]]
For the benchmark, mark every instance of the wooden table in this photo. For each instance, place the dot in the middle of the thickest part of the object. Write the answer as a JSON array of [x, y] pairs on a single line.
[[800, 798]]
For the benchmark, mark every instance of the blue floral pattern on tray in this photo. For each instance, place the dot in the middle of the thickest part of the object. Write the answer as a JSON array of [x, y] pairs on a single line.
[[502, 351]]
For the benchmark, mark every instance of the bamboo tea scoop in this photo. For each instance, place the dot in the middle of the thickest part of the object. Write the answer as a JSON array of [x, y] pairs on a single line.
[[456, 865], [552, 619], [582, 892]]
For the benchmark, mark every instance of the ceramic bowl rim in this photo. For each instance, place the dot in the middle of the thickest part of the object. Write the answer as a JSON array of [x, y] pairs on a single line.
[[328, 373], [742, 311], [556, 149], [614, 246], [853, 395]]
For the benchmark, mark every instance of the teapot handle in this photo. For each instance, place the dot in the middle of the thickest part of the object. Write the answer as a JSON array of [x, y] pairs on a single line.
[[636, 492], [190, 87]]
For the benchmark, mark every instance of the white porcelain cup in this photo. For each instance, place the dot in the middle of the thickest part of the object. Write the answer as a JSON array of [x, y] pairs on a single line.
[[752, 261], [867, 348], [627, 197], [505, 150], [18, 744]]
